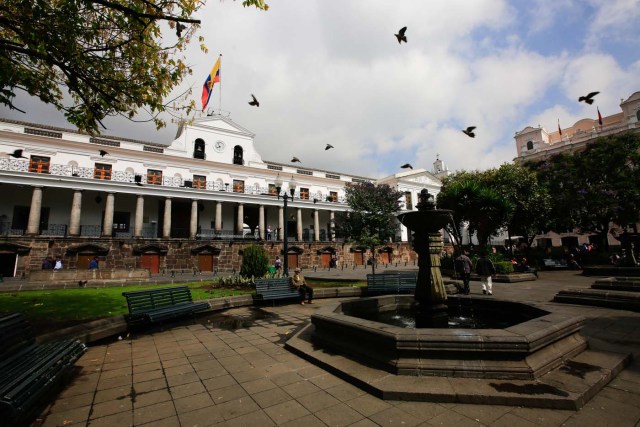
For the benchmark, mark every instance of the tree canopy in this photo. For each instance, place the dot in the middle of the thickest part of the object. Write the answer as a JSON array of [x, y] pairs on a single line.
[[372, 220], [97, 58], [595, 190]]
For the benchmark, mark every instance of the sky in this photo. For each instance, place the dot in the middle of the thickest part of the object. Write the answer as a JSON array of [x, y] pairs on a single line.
[[332, 71]]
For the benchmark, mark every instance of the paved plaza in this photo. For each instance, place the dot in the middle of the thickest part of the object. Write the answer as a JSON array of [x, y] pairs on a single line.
[[231, 369]]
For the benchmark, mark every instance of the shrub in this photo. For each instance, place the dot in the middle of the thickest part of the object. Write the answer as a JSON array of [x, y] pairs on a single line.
[[504, 267], [255, 261]]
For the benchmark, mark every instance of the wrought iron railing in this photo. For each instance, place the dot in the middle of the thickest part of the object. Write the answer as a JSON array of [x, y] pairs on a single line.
[[90, 230]]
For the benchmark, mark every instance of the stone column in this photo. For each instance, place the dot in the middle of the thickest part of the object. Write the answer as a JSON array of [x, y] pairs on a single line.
[[137, 229], [240, 219], [332, 226], [218, 224], [299, 224], [261, 226], [316, 226], [193, 225], [33, 226], [280, 223], [76, 208], [166, 225], [107, 225]]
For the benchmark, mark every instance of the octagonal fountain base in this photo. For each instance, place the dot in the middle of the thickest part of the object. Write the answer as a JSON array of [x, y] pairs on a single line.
[[539, 360]]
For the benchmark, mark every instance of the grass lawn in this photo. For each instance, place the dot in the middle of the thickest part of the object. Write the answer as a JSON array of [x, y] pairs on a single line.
[[83, 304]]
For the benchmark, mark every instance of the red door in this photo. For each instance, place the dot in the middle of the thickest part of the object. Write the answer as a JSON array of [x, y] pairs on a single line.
[[293, 261], [205, 262], [385, 258], [151, 262], [325, 260], [358, 258]]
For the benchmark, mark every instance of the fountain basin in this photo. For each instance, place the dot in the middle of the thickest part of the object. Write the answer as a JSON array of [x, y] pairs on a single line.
[[539, 341]]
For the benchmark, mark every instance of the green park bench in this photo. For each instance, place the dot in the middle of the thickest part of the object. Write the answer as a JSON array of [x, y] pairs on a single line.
[[157, 305], [275, 289], [391, 283], [30, 371]]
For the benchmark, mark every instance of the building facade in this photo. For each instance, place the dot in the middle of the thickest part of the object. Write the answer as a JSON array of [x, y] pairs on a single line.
[[192, 204], [534, 144]]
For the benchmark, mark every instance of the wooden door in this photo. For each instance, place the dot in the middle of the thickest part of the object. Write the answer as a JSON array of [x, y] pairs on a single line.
[[385, 258], [358, 258], [151, 262], [325, 260], [83, 261], [205, 262], [293, 261]]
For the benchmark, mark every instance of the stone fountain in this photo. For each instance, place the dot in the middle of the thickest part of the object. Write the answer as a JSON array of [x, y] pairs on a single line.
[[394, 361]]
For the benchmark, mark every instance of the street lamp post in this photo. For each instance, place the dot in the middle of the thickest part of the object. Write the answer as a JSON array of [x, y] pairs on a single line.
[[285, 198]]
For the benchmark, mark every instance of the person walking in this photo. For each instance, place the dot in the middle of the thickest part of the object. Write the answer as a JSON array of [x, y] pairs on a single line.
[[278, 265], [302, 287], [486, 269], [93, 265], [58, 265], [463, 267]]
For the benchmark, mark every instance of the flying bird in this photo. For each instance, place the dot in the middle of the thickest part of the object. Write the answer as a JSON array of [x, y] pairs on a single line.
[[103, 153], [400, 36], [17, 154], [589, 98], [328, 147], [295, 159], [179, 29], [469, 131], [406, 166], [254, 102]]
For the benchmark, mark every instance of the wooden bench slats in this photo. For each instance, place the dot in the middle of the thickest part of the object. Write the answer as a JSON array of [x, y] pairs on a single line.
[[29, 370], [156, 305], [389, 283], [273, 289]]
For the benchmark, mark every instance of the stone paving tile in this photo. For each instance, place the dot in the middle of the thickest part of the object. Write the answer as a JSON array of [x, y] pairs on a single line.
[[603, 411], [186, 378], [271, 397], [249, 374], [226, 394], [116, 365], [158, 411], [219, 382], [193, 402], [179, 370], [115, 373], [452, 418], [368, 405], [119, 419], [256, 418], [256, 386], [345, 391], [148, 376], [73, 402], [205, 374], [326, 380], [111, 407], [70, 417], [178, 361], [317, 401], [286, 411], [138, 369], [340, 415], [306, 421], [208, 416], [542, 417], [81, 384], [237, 407], [147, 386], [485, 414], [165, 422], [209, 363], [365, 422], [112, 394], [185, 390], [510, 420], [286, 378], [123, 380], [151, 398], [301, 388]]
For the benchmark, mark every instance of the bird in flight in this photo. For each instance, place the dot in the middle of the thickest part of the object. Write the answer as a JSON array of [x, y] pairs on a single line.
[[400, 36], [17, 154], [295, 159], [406, 166], [254, 102], [328, 147], [589, 98], [103, 153], [469, 131]]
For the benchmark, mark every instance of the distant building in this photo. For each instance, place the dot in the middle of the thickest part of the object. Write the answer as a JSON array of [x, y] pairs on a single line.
[[194, 203], [534, 144]]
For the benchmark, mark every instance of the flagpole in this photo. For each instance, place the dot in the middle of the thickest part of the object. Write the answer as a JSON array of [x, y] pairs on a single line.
[[220, 71]]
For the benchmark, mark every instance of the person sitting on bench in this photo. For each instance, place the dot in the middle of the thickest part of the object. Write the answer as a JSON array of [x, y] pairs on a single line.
[[302, 287]]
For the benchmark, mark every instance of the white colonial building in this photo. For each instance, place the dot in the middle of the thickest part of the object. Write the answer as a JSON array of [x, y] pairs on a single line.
[[176, 206]]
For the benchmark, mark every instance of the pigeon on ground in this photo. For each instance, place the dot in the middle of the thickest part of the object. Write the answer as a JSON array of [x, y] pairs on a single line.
[[328, 147], [589, 98], [400, 36], [17, 154], [406, 166], [469, 131], [103, 153], [254, 102]]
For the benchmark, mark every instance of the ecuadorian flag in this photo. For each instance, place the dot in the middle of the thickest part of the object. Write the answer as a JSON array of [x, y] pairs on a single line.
[[207, 87]]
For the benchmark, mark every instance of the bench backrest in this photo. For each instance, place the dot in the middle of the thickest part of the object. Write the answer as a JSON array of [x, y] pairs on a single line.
[[15, 333], [141, 301], [283, 283]]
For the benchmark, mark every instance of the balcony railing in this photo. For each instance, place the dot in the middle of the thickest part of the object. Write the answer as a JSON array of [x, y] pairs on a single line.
[[17, 165]]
